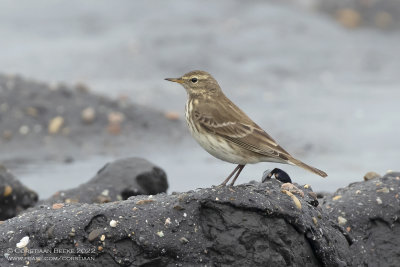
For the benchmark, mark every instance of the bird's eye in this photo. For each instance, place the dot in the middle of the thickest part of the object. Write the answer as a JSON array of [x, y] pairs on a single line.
[[194, 80]]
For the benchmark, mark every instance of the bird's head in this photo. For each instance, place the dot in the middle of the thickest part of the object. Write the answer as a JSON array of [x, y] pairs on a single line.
[[198, 82]]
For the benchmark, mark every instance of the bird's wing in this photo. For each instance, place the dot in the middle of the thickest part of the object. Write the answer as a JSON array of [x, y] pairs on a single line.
[[229, 122]]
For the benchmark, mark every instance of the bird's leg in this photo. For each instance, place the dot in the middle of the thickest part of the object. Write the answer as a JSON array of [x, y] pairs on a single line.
[[237, 175], [230, 175]]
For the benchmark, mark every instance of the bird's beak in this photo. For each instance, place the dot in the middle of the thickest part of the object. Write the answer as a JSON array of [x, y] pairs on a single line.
[[176, 80]]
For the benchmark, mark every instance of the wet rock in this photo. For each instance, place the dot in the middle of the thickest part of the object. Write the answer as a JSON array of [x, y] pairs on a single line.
[[117, 180], [14, 197], [247, 225], [369, 211], [60, 120]]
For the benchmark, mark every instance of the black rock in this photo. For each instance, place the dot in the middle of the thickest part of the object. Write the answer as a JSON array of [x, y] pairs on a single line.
[[117, 180], [370, 212], [279, 175], [246, 225], [14, 197]]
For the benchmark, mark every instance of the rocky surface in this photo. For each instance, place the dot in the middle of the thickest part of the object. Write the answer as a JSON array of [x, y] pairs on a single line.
[[370, 213], [117, 180], [66, 120], [14, 197], [247, 225], [380, 14]]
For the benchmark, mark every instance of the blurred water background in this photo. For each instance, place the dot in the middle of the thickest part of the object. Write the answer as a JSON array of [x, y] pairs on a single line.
[[321, 77]]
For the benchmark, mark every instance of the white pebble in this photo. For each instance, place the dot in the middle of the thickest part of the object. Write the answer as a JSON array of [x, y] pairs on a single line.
[[23, 242], [24, 130], [167, 221], [379, 200], [184, 214], [113, 223], [160, 233], [342, 220]]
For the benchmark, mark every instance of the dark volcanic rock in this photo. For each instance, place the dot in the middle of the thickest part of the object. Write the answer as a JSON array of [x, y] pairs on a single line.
[[117, 180], [370, 212], [247, 225], [14, 197], [65, 120]]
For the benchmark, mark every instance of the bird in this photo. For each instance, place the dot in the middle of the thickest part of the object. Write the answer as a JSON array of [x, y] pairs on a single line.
[[225, 131]]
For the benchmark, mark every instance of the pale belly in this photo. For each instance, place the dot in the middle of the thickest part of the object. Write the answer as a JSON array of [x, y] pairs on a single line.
[[220, 148]]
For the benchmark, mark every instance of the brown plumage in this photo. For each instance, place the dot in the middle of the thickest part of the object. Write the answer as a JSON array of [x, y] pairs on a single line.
[[225, 131]]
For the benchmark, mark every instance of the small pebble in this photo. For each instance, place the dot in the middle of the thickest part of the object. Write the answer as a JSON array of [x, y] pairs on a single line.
[[144, 201], [292, 188], [336, 197], [71, 200], [383, 190], [172, 115], [94, 234], [24, 130], [167, 221], [55, 125], [88, 115], [7, 191], [183, 240], [115, 117], [342, 220], [315, 221], [102, 199], [57, 206], [379, 200], [105, 192], [348, 17], [160, 233], [31, 111], [82, 87], [23, 242], [103, 237], [371, 175], [113, 223]]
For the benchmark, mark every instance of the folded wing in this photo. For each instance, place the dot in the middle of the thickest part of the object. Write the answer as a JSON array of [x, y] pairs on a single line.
[[229, 122]]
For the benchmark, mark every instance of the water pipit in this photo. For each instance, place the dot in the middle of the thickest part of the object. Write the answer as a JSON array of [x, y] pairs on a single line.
[[225, 131]]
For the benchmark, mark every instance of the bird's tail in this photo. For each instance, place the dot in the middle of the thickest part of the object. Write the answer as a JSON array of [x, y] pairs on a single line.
[[307, 167]]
